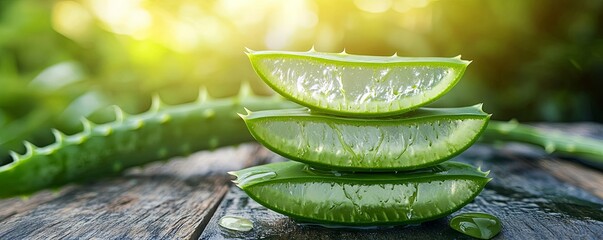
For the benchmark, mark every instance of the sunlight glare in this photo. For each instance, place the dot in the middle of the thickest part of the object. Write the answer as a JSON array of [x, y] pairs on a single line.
[[403, 6], [71, 19], [123, 17], [291, 19], [373, 6]]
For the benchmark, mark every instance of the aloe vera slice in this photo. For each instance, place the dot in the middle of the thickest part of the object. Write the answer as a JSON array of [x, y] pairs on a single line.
[[307, 194], [421, 138], [357, 85]]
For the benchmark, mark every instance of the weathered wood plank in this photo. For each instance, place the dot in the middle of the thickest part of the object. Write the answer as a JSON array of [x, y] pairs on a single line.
[[589, 179], [531, 203], [173, 200]]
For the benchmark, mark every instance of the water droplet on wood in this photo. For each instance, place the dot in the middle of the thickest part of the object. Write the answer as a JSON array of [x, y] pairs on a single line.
[[477, 225], [236, 223]]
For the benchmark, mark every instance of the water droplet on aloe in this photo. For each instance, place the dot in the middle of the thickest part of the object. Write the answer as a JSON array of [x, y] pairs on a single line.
[[477, 225], [236, 223]]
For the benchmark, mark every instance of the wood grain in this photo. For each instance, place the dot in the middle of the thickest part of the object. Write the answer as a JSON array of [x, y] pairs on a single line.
[[576, 174], [161, 201]]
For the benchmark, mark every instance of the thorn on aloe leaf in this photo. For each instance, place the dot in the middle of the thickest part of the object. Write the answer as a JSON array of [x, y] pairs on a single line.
[[156, 103], [549, 147], [58, 135], [248, 50], [164, 118], [29, 149], [14, 156], [119, 114], [245, 90], [86, 124], [209, 113], [203, 95]]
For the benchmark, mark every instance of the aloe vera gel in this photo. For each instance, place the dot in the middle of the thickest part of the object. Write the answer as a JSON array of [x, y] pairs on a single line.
[[477, 225], [424, 138], [353, 85], [341, 198], [364, 152]]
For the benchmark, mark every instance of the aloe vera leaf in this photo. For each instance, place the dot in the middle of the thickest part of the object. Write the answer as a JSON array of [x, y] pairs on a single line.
[[298, 191], [552, 141], [356, 85], [107, 149], [418, 139], [105, 159]]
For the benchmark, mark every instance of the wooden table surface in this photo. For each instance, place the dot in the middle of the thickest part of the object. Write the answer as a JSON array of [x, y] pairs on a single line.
[[536, 196]]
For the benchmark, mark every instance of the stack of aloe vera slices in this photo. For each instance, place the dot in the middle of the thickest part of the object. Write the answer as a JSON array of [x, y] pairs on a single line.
[[364, 151]]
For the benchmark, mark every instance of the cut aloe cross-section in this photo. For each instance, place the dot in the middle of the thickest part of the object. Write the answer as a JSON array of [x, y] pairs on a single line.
[[356, 85], [297, 190], [417, 139]]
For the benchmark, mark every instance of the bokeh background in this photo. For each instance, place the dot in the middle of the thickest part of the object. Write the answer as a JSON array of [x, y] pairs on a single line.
[[533, 60]]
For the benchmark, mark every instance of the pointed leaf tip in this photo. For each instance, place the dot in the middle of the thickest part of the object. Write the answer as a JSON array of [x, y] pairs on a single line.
[[247, 112], [234, 174], [459, 57], [479, 106], [248, 50]]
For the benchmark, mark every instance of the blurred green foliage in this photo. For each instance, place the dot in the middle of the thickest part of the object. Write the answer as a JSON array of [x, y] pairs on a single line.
[[61, 60]]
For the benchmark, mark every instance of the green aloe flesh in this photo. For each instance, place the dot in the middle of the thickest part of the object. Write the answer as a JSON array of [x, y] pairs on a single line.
[[356, 85], [301, 192], [418, 139]]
